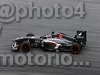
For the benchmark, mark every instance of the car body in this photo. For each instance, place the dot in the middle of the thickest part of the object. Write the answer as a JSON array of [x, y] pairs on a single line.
[[56, 43], [53, 44]]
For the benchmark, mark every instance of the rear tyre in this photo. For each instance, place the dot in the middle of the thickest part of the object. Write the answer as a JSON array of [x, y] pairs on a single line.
[[76, 48]]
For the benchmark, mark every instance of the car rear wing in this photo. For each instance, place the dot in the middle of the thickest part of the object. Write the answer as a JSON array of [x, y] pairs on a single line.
[[81, 37]]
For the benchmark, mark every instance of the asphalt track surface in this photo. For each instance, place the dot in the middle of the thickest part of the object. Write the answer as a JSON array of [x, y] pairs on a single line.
[[91, 23]]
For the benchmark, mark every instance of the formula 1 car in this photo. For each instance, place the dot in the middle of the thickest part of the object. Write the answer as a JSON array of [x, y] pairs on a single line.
[[53, 41]]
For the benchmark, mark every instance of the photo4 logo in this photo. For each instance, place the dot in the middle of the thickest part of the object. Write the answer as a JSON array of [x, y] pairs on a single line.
[[10, 12]]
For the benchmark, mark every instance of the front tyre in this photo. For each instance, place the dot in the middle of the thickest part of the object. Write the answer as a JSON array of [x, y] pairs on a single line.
[[25, 47]]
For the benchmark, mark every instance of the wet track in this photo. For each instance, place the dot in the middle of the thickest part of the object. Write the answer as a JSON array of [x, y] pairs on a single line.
[[91, 23]]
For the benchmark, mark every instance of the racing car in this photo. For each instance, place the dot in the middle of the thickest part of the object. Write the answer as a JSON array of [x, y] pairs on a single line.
[[51, 42]]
